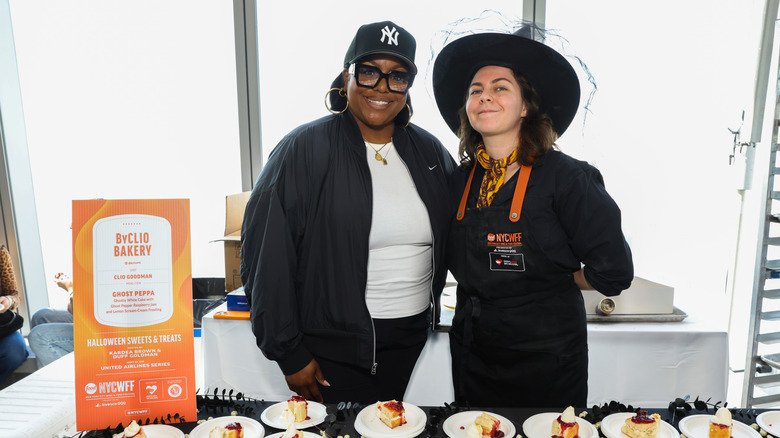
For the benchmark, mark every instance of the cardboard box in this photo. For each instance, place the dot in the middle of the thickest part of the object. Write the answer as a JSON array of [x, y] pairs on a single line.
[[644, 297], [234, 217], [236, 301]]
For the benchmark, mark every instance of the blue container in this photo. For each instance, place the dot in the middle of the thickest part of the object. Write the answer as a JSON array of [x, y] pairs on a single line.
[[236, 300]]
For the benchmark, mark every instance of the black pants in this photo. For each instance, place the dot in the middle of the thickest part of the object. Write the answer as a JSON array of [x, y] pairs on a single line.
[[399, 343]]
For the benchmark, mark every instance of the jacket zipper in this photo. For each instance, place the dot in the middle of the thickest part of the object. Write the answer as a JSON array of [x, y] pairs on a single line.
[[433, 275], [373, 327], [374, 365], [373, 359]]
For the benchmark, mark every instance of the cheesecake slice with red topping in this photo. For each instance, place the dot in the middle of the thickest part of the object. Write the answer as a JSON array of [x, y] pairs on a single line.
[[720, 424], [298, 406], [642, 425], [292, 432], [231, 430], [392, 413], [133, 430], [489, 425], [565, 425]]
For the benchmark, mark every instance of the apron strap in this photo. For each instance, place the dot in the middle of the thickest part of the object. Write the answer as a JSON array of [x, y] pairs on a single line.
[[517, 199], [462, 206]]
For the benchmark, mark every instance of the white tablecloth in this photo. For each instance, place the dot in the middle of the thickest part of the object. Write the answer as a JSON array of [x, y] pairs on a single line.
[[42, 404], [642, 364]]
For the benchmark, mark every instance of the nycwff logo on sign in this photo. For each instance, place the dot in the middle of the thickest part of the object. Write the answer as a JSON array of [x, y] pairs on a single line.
[[391, 34], [504, 239], [116, 387]]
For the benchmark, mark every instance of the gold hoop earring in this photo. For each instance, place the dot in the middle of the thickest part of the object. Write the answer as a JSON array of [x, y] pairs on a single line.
[[342, 93], [410, 116]]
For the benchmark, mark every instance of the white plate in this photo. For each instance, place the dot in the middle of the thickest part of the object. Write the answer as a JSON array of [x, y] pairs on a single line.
[[540, 426], [276, 415], [455, 425], [305, 435], [369, 425], [770, 422], [162, 431], [698, 426], [252, 429], [612, 423]]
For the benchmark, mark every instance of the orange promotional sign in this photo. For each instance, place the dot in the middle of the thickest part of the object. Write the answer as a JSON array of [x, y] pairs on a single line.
[[132, 312]]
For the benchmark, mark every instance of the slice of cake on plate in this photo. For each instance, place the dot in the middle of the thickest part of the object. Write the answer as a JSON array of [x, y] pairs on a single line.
[[392, 413], [720, 424], [642, 425], [489, 426], [231, 430], [292, 432], [133, 430], [298, 406], [565, 425]]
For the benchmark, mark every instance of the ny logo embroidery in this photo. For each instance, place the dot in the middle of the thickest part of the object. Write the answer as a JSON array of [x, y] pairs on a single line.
[[392, 36]]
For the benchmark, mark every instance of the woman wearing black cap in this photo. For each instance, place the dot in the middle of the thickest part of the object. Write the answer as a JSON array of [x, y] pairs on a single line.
[[529, 218], [344, 233]]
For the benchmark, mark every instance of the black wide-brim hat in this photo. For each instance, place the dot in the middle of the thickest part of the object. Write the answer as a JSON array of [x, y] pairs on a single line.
[[551, 75]]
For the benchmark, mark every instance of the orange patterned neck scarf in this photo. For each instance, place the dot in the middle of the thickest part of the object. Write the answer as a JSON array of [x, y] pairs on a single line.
[[494, 174]]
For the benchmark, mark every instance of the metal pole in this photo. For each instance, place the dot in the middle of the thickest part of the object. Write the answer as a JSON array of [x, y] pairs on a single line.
[[247, 75], [17, 199]]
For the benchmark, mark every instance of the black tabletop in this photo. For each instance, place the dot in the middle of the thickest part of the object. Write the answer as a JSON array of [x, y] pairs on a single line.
[[340, 419]]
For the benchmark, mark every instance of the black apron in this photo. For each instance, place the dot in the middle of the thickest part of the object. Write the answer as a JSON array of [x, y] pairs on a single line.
[[519, 335]]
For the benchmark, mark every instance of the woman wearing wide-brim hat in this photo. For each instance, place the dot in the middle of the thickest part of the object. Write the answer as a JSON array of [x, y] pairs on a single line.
[[344, 233], [533, 226]]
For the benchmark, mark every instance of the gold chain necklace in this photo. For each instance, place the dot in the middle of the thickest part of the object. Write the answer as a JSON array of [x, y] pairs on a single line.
[[377, 155]]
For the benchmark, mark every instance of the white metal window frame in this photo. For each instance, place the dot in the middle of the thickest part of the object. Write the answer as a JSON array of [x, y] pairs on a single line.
[[17, 199]]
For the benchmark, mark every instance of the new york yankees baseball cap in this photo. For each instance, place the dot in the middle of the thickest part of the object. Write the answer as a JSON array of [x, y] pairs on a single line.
[[384, 37]]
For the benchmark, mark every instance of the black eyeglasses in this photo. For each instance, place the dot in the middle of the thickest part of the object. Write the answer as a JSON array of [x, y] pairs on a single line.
[[369, 77]]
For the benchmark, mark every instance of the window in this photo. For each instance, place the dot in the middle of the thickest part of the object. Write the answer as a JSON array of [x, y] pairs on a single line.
[[320, 37], [672, 78], [136, 100]]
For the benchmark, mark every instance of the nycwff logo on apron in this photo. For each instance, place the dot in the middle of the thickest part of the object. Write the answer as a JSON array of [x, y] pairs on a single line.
[[504, 251], [504, 239]]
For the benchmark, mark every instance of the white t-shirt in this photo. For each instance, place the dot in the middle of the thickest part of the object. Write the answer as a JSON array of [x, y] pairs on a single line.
[[400, 257]]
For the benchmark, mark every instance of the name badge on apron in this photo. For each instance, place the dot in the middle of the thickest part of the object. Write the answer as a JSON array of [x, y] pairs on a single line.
[[505, 252], [507, 262], [504, 248]]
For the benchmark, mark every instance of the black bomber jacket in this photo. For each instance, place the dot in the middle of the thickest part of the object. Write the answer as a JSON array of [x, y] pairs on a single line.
[[304, 240]]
